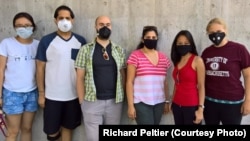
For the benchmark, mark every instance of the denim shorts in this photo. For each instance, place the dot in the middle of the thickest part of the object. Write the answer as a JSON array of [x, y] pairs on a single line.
[[19, 102]]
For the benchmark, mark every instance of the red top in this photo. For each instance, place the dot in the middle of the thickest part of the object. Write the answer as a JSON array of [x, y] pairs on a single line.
[[186, 91]]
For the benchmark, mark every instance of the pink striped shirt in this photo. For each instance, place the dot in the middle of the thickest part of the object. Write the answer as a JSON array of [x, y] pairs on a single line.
[[149, 79]]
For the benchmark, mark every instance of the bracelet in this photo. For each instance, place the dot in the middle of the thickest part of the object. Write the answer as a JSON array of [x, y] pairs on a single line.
[[202, 106], [167, 101]]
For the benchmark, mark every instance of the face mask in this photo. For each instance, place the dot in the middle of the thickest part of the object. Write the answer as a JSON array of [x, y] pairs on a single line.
[[217, 37], [104, 33], [150, 44], [64, 25], [183, 49], [24, 32]]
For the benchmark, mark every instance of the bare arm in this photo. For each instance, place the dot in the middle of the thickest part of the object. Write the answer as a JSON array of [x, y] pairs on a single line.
[[172, 99], [166, 90], [200, 69], [131, 71], [245, 109], [201, 80], [123, 74], [167, 104], [80, 76], [40, 79], [3, 61]]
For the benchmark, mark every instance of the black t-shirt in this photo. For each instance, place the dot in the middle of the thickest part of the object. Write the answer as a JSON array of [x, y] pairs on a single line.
[[105, 73]]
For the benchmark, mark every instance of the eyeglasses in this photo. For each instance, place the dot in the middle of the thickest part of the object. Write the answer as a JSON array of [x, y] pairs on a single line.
[[105, 54], [177, 77]]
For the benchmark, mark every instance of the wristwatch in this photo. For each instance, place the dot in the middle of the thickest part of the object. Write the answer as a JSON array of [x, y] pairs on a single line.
[[202, 106]]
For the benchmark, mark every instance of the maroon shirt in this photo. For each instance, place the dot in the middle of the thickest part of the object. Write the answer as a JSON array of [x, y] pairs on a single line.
[[223, 71]]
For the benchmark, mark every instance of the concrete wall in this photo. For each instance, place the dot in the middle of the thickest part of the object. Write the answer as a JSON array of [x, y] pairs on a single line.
[[128, 18]]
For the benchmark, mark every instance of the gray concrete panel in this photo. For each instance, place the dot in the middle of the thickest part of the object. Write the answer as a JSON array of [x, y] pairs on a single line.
[[128, 18]]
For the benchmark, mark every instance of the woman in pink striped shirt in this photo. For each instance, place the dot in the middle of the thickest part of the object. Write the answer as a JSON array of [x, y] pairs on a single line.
[[146, 85]]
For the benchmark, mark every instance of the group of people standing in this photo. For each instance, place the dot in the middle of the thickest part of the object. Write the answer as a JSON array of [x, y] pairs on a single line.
[[64, 75], [74, 80]]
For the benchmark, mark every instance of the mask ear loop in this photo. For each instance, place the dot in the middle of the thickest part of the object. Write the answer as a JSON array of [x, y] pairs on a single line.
[[3, 125]]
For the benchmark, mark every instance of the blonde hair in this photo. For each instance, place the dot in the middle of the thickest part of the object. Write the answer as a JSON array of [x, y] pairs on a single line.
[[216, 21]]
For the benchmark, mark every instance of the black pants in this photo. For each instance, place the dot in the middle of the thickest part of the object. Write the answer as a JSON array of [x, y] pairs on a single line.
[[183, 115], [227, 114]]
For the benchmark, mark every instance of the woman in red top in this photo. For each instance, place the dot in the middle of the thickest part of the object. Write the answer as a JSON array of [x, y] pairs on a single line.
[[189, 77]]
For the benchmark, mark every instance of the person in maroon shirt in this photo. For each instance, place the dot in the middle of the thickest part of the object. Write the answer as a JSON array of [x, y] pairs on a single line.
[[227, 100], [189, 76]]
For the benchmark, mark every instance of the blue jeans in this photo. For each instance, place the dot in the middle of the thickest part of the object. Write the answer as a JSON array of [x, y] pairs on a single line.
[[149, 114]]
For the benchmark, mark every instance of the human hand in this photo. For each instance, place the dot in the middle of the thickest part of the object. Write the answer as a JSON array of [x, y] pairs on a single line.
[[245, 108], [1, 102], [41, 101], [198, 116], [80, 100], [131, 113], [167, 108]]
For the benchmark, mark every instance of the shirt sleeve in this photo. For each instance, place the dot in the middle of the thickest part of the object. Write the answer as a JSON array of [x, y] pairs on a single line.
[[133, 59]]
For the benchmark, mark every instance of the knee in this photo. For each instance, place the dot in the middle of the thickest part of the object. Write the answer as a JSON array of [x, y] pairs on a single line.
[[26, 129], [13, 132], [54, 137]]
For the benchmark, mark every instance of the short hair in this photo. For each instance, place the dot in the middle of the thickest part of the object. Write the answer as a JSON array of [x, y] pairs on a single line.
[[217, 21], [24, 15], [63, 7]]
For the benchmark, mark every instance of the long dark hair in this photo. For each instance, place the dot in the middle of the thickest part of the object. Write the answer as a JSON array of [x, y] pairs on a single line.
[[146, 29], [175, 57]]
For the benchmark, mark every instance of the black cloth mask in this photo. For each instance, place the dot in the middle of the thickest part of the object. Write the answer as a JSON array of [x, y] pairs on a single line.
[[150, 44], [217, 37], [183, 49], [104, 33]]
